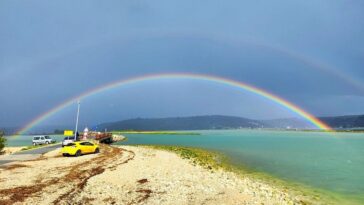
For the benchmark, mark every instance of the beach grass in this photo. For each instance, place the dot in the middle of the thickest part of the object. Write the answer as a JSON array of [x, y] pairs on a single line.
[[31, 147], [206, 159]]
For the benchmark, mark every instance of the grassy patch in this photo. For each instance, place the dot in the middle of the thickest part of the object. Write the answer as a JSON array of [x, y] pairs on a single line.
[[35, 146], [206, 159], [31, 147]]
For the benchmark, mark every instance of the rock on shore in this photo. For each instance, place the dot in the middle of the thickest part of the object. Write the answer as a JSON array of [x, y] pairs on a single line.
[[117, 138]]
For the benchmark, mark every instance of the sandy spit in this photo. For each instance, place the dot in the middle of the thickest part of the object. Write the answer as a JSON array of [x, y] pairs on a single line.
[[129, 175], [11, 150]]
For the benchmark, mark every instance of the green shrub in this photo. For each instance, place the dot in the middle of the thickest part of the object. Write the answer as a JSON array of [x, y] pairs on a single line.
[[2, 141]]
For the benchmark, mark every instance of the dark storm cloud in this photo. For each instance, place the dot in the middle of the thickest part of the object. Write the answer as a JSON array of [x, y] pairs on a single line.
[[51, 51]]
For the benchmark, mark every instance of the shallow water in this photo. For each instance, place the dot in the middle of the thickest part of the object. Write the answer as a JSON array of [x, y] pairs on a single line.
[[333, 162]]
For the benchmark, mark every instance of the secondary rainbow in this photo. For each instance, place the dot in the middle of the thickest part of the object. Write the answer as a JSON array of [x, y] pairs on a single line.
[[201, 77]]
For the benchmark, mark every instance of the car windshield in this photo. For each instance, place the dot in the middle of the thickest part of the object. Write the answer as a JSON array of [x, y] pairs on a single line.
[[47, 137], [70, 144]]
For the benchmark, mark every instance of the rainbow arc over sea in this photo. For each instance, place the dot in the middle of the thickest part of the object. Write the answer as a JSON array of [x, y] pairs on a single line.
[[191, 76]]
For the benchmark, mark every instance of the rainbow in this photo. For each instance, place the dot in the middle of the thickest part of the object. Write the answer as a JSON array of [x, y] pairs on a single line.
[[202, 77]]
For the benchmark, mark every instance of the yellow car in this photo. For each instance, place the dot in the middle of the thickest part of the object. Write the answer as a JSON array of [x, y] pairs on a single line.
[[79, 148]]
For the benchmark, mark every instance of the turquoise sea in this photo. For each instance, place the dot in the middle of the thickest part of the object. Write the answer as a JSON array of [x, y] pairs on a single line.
[[332, 162]]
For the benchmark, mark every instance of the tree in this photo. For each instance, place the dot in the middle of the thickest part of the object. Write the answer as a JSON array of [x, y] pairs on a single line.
[[2, 141]]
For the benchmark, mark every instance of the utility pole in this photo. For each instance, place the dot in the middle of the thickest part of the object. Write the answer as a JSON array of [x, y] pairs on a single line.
[[78, 114]]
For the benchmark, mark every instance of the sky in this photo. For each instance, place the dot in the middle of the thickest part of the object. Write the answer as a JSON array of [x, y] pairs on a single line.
[[308, 52]]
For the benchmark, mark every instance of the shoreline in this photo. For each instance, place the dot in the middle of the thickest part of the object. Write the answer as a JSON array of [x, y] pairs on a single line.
[[217, 160], [129, 174], [223, 162]]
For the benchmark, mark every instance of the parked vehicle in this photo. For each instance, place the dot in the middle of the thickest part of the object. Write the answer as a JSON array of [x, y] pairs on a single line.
[[79, 148], [38, 140], [67, 140]]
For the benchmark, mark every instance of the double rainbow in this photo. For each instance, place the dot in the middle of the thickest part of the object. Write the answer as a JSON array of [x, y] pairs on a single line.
[[202, 77]]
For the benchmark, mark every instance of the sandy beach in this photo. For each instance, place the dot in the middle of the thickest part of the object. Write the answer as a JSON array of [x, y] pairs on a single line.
[[130, 175]]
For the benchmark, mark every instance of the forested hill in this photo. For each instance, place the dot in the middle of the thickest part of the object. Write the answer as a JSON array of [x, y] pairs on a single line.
[[183, 123], [209, 122], [227, 122], [349, 121]]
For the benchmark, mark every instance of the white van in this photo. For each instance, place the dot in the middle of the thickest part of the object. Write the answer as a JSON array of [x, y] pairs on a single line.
[[42, 140], [67, 140]]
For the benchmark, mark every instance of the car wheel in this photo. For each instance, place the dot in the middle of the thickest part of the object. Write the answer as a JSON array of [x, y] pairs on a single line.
[[78, 153], [65, 155], [97, 150], [34, 144], [47, 142]]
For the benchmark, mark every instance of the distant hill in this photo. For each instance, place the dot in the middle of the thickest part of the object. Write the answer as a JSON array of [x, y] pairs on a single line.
[[287, 123], [209, 122], [9, 130], [228, 122], [183, 123], [337, 122], [348, 121]]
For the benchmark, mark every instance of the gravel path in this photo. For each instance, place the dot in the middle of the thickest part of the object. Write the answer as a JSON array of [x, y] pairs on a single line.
[[27, 155]]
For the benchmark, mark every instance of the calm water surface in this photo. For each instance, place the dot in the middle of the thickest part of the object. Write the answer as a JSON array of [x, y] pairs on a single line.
[[333, 162]]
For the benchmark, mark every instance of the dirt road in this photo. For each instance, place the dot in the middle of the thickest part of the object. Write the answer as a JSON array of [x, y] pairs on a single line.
[[55, 179]]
